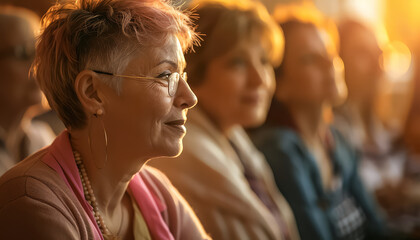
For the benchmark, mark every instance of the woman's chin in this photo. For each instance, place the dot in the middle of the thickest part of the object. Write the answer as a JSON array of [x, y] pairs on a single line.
[[178, 151], [172, 151], [254, 120]]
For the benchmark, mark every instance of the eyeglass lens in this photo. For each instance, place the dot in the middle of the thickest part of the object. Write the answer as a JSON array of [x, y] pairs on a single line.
[[173, 83]]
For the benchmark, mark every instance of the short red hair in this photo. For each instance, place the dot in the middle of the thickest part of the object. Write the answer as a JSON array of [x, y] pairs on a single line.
[[82, 34]]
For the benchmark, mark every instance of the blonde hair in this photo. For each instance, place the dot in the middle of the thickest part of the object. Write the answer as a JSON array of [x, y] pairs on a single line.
[[83, 34], [222, 24]]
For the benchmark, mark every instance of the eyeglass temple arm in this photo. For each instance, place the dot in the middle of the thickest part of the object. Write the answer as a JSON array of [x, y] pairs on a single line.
[[106, 73]]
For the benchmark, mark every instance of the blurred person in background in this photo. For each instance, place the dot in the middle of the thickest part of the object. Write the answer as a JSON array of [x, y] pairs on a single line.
[[19, 136], [382, 153], [38, 6], [46, 114], [382, 159], [314, 167], [401, 201], [220, 172]]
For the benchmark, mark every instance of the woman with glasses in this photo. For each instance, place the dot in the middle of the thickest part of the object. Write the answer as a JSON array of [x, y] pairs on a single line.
[[113, 70], [220, 173], [19, 94]]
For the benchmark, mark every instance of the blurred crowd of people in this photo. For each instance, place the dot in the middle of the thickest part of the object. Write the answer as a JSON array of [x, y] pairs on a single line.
[[283, 143]]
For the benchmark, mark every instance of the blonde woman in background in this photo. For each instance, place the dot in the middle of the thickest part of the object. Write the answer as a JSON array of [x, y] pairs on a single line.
[[225, 179]]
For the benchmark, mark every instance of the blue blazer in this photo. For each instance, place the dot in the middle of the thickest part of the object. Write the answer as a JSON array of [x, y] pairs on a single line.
[[298, 178]]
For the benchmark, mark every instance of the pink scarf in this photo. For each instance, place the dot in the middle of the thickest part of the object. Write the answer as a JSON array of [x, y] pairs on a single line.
[[61, 159]]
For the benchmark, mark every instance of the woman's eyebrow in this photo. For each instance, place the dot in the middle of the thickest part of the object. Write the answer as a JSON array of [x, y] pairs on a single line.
[[172, 63]]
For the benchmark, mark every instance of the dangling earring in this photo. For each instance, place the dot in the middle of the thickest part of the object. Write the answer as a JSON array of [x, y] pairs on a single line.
[[97, 115], [99, 112]]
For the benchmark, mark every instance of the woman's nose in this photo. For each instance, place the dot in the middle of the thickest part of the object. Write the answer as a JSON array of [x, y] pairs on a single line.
[[256, 77], [328, 62], [184, 97], [328, 65], [260, 75]]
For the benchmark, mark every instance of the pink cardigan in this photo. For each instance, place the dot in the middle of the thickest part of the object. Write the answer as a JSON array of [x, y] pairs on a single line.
[[42, 198]]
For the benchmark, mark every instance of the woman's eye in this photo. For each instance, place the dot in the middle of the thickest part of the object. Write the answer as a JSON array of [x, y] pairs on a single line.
[[164, 75], [163, 78], [237, 61]]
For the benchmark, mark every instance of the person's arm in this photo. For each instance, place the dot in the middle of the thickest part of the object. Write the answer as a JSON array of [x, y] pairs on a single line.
[[293, 178]]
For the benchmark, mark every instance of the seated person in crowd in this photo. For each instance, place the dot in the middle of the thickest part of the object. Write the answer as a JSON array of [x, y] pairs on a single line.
[[383, 157], [314, 168], [114, 72], [19, 136], [221, 174], [382, 161]]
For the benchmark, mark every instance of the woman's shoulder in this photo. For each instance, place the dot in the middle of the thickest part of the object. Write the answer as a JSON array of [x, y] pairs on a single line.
[[153, 175], [29, 167], [34, 203], [266, 135], [31, 179], [342, 147], [275, 140], [165, 194], [159, 185]]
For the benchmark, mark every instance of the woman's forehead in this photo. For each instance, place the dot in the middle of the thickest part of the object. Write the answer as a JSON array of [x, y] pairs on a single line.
[[304, 38], [247, 45], [169, 54], [170, 51]]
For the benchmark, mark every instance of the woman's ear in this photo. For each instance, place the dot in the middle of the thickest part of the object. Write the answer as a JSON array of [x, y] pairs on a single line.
[[87, 86]]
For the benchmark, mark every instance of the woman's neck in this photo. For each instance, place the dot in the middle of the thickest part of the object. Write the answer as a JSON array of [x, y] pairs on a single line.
[[109, 177], [364, 110], [363, 117], [309, 121], [313, 129]]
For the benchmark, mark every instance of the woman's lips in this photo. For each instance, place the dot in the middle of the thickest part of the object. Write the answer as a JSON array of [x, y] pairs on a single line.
[[179, 125], [252, 98]]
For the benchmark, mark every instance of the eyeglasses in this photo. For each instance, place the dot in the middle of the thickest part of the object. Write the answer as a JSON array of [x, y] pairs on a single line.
[[171, 79]]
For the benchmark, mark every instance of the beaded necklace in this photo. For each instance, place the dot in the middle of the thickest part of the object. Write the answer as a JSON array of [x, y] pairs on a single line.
[[88, 192]]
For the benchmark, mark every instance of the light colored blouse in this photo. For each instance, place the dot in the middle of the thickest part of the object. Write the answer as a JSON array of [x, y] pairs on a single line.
[[140, 229]]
